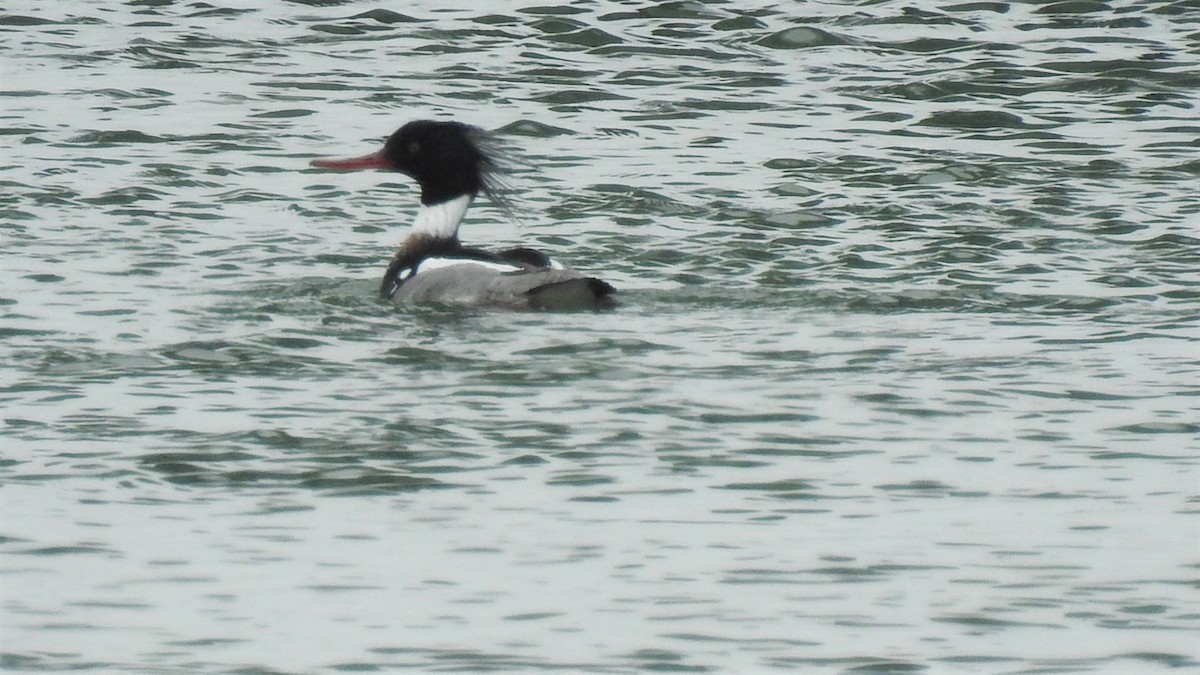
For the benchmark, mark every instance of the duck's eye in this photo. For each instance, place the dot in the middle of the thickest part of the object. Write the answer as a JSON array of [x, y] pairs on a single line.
[[414, 147]]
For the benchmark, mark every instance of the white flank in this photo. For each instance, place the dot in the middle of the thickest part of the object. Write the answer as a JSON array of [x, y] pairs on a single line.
[[430, 264], [441, 220]]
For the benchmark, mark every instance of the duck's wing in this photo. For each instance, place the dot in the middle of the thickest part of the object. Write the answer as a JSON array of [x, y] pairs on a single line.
[[531, 257], [474, 282]]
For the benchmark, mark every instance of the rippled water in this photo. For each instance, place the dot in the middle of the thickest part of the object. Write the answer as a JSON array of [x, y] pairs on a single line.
[[904, 378]]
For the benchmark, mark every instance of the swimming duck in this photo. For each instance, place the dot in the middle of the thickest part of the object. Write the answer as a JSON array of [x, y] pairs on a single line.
[[452, 164]]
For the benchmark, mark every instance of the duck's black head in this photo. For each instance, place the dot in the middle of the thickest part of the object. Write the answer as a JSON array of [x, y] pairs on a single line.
[[447, 159]]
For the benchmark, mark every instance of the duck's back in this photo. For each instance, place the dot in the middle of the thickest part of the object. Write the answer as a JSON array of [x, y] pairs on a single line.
[[473, 283]]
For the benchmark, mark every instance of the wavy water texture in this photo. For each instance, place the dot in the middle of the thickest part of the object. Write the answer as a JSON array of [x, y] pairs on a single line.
[[903, 378]]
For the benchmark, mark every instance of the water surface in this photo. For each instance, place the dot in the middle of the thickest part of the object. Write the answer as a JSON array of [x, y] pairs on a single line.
[[904, 377]]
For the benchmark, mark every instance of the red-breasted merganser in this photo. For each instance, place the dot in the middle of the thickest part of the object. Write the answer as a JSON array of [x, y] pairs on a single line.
[[450, 163]]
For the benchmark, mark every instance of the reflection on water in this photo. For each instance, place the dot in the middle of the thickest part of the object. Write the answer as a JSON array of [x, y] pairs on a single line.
[[903, 378]]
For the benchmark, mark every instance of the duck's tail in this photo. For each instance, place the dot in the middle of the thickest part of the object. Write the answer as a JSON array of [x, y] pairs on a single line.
[[581, 293]]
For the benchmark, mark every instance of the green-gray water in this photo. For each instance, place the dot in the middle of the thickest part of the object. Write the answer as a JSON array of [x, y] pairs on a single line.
[[904, 378]]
